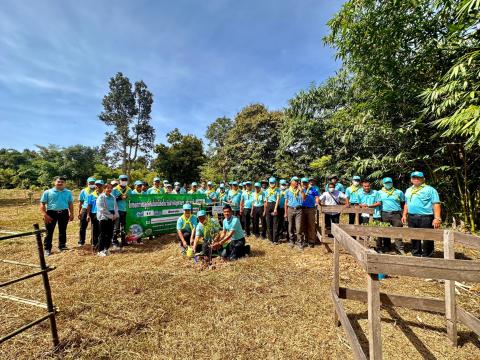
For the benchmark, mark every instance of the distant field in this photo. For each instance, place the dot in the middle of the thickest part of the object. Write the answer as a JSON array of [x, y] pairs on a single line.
[[150, 303]]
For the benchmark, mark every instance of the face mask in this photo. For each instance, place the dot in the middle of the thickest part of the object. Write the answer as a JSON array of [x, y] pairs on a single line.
[[283, 187], [388, 186], [331, 190], [177, 188], [123, 183], [91, 186], [355, 182]]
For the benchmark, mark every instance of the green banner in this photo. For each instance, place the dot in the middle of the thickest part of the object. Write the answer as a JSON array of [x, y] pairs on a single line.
[[153, 214]]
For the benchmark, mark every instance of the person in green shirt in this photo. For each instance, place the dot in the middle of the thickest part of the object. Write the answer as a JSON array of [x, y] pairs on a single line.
[[232, 237], [271, 214], [156, 189], [246, 203], [194, 189], [258, 211]]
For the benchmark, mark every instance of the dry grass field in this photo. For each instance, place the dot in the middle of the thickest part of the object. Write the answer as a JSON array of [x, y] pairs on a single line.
[[148, 302]]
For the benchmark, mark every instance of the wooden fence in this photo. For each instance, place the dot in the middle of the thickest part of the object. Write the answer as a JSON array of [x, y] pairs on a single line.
[[448, 269], [43, 271]]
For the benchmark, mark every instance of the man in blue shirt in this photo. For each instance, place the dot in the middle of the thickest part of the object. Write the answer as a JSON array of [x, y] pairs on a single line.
[[353, 195], [423, 210], [271, 211], [369, 199], [232, 234], [246, 203], [392, 204], [309, 203], [233, 198], [92, 211], [156, 188], [293, 212], [121, 193], [283, 224], [56, 205], [82, 209]]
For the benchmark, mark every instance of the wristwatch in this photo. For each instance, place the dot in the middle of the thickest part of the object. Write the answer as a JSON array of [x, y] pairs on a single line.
[[438, 219]]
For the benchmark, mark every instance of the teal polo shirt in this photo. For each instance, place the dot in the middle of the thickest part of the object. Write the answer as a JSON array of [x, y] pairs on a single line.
[[421, 202], [371, 198], [233, 224], [200, 229], [281, 203], [155, 190], [222, 197], [116, 192], [272, 194], [83, 196], [391, 202], [211, 196], [183, 225], [352, 194], [92, 201], [259, 199], [247, 197], [234, 197], [293, 201], [57, 200]]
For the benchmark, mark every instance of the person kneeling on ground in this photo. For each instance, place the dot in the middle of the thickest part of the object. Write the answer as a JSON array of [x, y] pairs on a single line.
[[207, 231], [186, 227], [232, 238]]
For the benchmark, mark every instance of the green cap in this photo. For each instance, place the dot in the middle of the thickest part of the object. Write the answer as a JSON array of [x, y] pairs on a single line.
[[283, 182], [305, 180], [418, 174], [157, 179], [257, 184], [187, 207], [201, 213], [272, 180], [356, 177], [138, 182], [209, 183], [235, 183], [123, 177], [295, 178], [194, 183], [91, 179], [387, 180], [99, 182], [248, 183]]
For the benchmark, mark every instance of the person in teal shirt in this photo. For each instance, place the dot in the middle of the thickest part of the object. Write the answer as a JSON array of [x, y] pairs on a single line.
[[206, 232], [293, 212], [369, 198], [56, 205], [423, 210], [186, 227], [138, 187], [392, 205], [233, 198], [82, 209], [232, 234], [283, 224], [92, 211], [258, 211], [338, 185], [246, 204], [271, 213], [194, 188], [156, 189], [121, 193], [353, 196], [211, 196]]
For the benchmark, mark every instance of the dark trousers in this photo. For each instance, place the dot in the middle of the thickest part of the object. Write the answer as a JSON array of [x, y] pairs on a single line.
[[187, 236], [332, 218], [272, 223], [83, 227], [395, 219], [280, 222], [295, 225], [95, 229], [247, 221], [423, 248], [62, 218], [308, 225], [106, 234], [120, 227], [351, 217], [234, 250], [285, 227], [257, 218]]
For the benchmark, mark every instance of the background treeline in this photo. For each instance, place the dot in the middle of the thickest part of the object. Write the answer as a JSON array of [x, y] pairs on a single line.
[[407, 97]]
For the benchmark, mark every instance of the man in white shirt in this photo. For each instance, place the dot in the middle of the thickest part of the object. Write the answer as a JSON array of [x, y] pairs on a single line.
[[333, 197]]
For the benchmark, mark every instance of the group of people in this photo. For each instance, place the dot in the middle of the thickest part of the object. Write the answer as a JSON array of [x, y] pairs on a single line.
[[269, 209]]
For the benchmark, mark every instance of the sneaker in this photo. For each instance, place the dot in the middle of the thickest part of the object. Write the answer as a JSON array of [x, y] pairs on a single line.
[[48, 252], [81, 243], [63, 248], [401, 252], [275, 243]]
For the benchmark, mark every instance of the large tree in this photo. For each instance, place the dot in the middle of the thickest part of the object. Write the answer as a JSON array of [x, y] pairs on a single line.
[[128, 111]]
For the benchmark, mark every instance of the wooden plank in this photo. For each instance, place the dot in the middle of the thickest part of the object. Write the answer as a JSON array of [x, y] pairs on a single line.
[[409, 302], [468, 240], [432, 268], [450, 307], [394, 232], [350, 244], [336, 275], [347, 326], [374, 326], [469, 320], [23, 301], [344, 210]]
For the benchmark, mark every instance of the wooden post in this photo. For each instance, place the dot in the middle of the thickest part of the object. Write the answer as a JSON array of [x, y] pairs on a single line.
[[374, 329], [336, 277], [46, 285], [323, 231], [357, 221], [450, 303]]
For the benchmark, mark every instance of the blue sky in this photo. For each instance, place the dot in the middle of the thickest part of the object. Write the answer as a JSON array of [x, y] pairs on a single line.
[[201, 60]]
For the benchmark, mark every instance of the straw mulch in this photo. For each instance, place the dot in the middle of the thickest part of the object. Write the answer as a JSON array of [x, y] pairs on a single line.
[[148, 302]]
